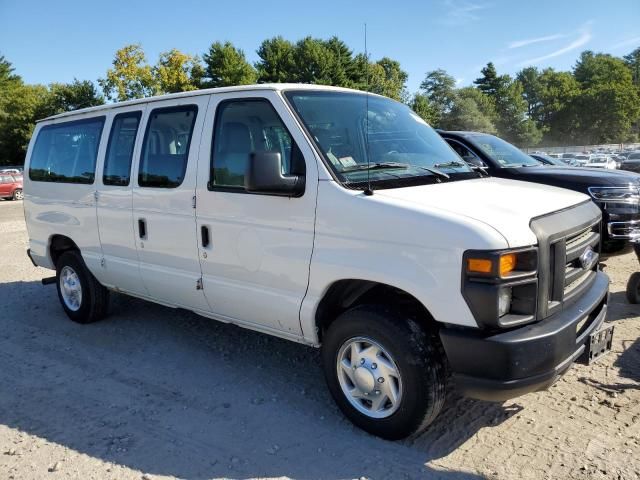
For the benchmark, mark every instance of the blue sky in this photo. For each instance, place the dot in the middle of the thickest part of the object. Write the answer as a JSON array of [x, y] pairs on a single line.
[[58, 40]]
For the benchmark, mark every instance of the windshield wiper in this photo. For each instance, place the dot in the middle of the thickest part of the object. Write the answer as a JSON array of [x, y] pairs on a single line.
[[375, 166], [449, 164], [434, 170]]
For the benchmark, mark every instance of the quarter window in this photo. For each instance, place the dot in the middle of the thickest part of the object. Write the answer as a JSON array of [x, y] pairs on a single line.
[[244, 127], [165, 150], [117, 163], [66, 152]]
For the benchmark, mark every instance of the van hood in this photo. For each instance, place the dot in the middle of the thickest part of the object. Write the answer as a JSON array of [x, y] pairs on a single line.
[[506, 205]]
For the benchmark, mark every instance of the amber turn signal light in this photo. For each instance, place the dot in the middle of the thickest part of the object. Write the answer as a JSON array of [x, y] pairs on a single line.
[[479, 265], [506, 265]]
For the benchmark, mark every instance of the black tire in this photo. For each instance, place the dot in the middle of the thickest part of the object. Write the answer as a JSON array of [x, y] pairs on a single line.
[[17, 194], [633, 288], [417, 353], [95, 297]]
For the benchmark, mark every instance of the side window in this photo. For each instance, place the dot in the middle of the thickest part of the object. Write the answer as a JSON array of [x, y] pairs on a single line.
[[66, 152], [117, 163], [244, 127], [4, 179], [466, 154], [165, 150]]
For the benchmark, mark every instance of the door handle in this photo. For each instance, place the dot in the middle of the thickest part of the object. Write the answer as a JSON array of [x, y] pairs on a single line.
[[204, 231], [142, 228]]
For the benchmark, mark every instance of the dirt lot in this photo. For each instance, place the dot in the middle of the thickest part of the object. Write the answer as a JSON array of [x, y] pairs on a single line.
[[157, 393]]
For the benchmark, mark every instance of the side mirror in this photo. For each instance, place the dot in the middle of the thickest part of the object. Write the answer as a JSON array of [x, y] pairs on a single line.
[[264, 175]]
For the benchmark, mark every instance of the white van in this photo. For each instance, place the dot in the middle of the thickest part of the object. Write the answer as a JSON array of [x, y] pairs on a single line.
[[329, 217]]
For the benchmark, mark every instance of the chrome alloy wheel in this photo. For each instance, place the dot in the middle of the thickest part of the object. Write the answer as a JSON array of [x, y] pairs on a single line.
[[18, 195], [70, 288], [369, 377]]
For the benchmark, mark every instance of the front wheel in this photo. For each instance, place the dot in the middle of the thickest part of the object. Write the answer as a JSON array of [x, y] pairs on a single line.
[[18, 194], [385, 372], [83, 298]]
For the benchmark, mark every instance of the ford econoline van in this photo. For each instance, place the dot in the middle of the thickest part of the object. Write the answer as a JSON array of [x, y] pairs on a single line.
[[330, 217]]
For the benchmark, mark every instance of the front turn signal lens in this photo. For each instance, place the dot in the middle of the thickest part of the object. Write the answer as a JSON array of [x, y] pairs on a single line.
[[479, 265], [507, 264]]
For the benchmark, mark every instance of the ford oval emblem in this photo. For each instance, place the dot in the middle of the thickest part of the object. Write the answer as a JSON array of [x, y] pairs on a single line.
[[588, 258]]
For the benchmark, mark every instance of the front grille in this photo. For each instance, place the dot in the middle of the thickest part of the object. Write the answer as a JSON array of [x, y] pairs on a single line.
[[575, 274], [563, 237]]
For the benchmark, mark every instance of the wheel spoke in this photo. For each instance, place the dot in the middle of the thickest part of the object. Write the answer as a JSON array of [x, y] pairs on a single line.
[[390, 389], [386, 368], [378, 401], [347, 369]]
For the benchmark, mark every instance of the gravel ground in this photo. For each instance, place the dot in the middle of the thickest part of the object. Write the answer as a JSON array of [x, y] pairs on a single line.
[[156, 393]]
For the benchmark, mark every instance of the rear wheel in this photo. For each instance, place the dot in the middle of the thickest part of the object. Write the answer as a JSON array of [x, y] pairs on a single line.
[[83, 298], [633, 288], [18, 194], [385, 372]]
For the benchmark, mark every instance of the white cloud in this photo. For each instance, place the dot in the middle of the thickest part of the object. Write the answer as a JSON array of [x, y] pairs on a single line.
[[531, 41], [459, 81], [585, 37], [460, 12], [627, 43]]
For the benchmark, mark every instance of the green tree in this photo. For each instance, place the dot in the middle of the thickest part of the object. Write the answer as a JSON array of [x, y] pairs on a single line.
[[470, 110], [19, 109], [276, 64], [510, 107], [439, 88], [633, 62], [556, 114], [387, 78], [421, 106], [226, 65], [490, 83], [609, 102], [178, 72], [65, 97], [130, 77], [531, 91]]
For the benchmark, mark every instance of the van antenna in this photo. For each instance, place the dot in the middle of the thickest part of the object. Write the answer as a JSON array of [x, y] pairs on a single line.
[[368, 190]]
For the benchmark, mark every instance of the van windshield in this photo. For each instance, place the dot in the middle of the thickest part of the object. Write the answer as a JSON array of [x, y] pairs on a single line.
[[375, 139]]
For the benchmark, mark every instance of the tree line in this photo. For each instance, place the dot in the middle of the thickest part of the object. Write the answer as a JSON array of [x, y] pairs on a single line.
[[598, 101]]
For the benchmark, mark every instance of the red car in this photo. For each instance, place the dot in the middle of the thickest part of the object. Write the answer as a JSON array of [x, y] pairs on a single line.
[[11, 186]]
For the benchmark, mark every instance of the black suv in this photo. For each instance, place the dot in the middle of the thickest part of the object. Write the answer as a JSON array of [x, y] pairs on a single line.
[[617, 193]]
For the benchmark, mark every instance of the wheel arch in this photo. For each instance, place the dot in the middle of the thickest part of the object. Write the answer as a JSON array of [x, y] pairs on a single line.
[[58, 244], [344, 294]]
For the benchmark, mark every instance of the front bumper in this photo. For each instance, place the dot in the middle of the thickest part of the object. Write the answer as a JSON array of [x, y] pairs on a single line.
[[503, 365], [623, 230]]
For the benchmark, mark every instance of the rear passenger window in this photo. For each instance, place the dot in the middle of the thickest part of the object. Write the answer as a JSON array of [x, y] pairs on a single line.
[[244, 127], [165, 149], [117, 163], [66, 152]]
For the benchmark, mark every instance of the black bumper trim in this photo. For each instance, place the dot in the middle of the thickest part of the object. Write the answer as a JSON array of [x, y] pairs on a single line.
[[503, 365]]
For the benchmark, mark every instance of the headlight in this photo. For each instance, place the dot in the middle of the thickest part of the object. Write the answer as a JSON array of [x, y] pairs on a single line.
[[615, 194], [500, 287]]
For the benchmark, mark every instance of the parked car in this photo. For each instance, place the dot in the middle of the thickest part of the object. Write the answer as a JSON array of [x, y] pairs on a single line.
[[632, 163], [581, 159], [602, 161], [280, 209], [547, 160], [11, 187], [616, 193]]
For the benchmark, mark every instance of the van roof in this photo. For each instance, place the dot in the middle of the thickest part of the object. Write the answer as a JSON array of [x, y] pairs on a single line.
[[206, 91]]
